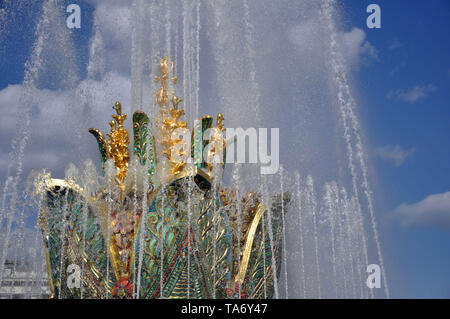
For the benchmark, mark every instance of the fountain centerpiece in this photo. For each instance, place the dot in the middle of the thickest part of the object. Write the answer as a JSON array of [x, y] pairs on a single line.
[[160, 224]]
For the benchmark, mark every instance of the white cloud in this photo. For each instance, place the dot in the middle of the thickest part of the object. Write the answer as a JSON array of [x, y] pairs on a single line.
[[60, 120], [413, 94], [354, 45], [394, 153], [61, 116], [432, 211]]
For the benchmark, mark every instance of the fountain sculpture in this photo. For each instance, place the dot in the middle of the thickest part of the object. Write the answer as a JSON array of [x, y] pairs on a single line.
[[178, 234], [158, 221]]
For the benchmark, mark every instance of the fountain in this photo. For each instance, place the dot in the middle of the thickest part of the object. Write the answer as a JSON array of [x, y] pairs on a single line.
[[182, 239], [152, 226]]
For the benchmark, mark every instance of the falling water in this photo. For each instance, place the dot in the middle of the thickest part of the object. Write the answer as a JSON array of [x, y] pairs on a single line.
[[168, 28], [186, 56], [137, 53], [300, 229], [250, 47], [189, 248], [267, 203], [33, 77], [197, 59], [342, 248], [85, 221], [109, 173], [217, 174], [313, 207], [156, 46], [238, 203], [62, 225], [19, 254], [2, 213], [330, 232], [346, 240], [263, 223], [161, 247], [332, 217], [37, 261], [140, 241], [350, 121], [284, 235]]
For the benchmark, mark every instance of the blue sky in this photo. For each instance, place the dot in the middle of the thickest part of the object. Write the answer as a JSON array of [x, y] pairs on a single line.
[[402, 92], [411, 134]]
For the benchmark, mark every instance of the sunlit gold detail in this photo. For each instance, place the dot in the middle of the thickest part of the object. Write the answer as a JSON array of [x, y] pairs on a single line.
[[173, 147], [169, 120], [247, 249], [219, 121], [118, 144], [116, 148]]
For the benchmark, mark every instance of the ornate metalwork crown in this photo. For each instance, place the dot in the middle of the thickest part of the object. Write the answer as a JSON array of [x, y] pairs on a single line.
[[175, 234], [169, 127]]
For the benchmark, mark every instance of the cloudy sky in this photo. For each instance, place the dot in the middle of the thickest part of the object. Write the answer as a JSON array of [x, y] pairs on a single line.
[[406, 110], [400, 78]]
